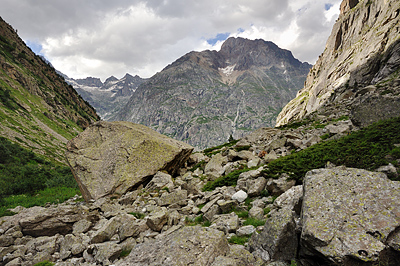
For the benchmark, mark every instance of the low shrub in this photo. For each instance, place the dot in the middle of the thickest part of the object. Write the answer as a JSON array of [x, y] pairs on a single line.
[[367, 149]]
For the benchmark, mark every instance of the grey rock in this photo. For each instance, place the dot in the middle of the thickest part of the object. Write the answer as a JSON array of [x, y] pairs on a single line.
[[39, 221], [189, 245], [105, 253], [228, 223], [245, 230], [278, 186], [350, 214], [212, 211], [257, 213], [111, 158], [160, 180], [278, 240], [227, 205], [388, 169], [253, 163], [81, 226], [175, 197], [107, 230], [155, 221], [214, 168], [240, 196], [271, 156], [257, 187]]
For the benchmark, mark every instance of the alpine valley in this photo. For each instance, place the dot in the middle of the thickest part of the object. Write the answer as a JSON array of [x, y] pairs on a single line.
[[321, 188]]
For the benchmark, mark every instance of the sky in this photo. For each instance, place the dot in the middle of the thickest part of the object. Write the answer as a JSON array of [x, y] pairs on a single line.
[[103, 38]]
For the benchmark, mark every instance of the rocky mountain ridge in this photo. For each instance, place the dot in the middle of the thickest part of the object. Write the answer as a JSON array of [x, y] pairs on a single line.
[[38, 110], [357, 74], [203, 98], [108, 97]]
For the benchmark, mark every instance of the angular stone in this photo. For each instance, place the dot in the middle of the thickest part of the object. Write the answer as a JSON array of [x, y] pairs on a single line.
[[227, 206], [278, 186], [157, 220], [257, 213], [270, 157], [108, 229], [245, 230], [359, 211], [278, 240], [257, 186], [240, 196], [176, 196], [228, 223], [81, 226], [111, 158], [253, 163], [132, 229], [214, 168], [212, 211], [193, 245], [160, 180], [106, 253], [39, 221]]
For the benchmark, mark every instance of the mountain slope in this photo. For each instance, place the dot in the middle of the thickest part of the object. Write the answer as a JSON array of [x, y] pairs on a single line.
[[204, 97], [38, 110], [358, 73], [108, 97]]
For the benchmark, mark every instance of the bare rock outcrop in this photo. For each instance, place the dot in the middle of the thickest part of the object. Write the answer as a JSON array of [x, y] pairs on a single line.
[[114, 157], [362, 51]]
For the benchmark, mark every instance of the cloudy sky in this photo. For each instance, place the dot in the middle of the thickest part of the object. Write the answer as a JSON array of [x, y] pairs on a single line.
[[100, 38]]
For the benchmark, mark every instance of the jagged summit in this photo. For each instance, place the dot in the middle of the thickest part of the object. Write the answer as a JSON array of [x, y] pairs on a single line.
[[204, 97], [108, 97]]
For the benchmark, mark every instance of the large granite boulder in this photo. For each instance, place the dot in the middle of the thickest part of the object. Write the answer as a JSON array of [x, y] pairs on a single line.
[[188, 246], [350, 216], [114, 157]]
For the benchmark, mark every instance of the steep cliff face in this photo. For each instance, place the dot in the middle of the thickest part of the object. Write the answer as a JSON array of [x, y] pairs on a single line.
[[204, 97], [358, 69], [38, 110], [108, 97]]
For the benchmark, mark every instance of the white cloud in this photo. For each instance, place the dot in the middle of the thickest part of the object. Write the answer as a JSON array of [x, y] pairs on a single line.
[[103, 38]]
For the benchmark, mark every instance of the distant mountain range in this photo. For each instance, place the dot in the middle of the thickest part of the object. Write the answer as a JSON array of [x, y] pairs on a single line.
[[204, 98], [108, 97]]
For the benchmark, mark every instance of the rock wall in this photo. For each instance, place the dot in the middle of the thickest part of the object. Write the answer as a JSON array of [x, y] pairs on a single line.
[[361, 51]]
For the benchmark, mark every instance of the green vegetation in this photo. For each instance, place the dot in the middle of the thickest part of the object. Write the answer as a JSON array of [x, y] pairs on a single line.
[[226, 180], [239, 240], [254, 222], [200, 165], [368, 148], [138, 215], [199, 220], [216, 149], [124, 253], [44, 263], [28, 180]]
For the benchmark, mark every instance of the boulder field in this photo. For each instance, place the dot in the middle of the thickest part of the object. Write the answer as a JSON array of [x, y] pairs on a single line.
[[338, 216]]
